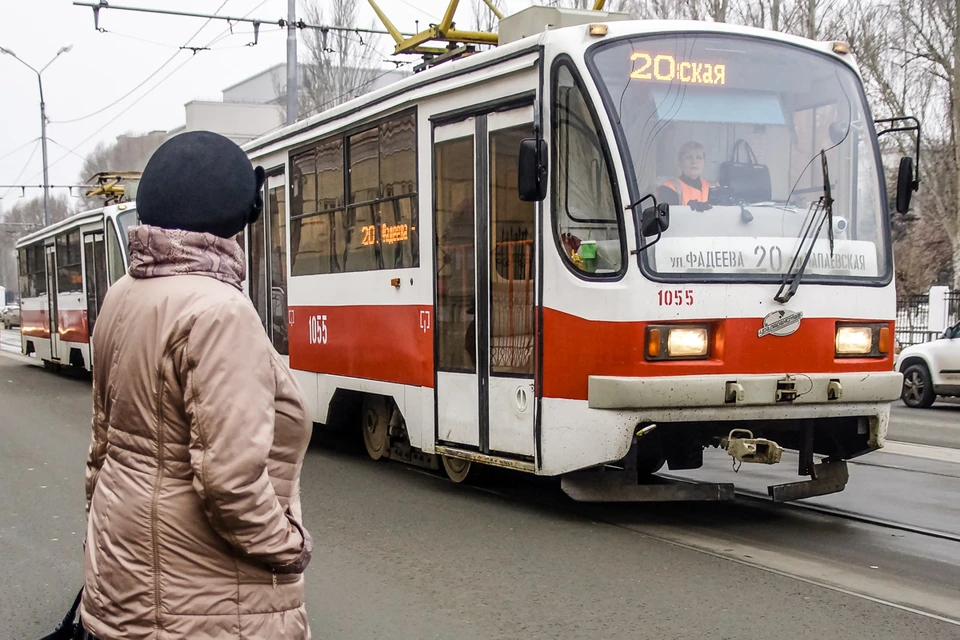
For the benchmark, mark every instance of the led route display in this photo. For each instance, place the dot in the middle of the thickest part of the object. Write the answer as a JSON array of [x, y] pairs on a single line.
[[666, 68]]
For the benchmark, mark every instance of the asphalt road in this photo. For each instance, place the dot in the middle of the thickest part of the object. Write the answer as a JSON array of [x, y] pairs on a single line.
[[405, 554], [938, 426]]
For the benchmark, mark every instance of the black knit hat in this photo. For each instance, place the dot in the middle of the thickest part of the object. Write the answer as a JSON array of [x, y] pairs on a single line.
[[200, 181]]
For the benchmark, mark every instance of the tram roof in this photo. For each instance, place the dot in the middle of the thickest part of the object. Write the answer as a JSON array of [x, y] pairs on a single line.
[[511, 51], [75, 220]]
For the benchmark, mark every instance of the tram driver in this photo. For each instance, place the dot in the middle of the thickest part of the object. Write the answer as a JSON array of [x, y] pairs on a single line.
[[689, 188]]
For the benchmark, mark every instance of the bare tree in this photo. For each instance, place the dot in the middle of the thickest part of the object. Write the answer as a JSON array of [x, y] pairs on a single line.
[[129, 152], [922, 256], [484, 19], [907, 52], [338, 65]]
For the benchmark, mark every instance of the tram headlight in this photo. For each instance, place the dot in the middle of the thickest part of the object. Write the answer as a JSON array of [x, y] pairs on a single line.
[[854, 340], [677, 342]]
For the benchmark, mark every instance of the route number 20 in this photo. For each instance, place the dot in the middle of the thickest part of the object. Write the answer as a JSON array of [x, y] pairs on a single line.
[[675, 297], [318, 329]]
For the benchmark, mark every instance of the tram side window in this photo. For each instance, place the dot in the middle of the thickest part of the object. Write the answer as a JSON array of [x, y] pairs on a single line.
[[115, 264], [38, 269], [371, 226], [33, 277], [69, 270], [311, 228], [586, 217]]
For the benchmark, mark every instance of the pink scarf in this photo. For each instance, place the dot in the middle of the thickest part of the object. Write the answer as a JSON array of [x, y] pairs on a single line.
[[157, 252]]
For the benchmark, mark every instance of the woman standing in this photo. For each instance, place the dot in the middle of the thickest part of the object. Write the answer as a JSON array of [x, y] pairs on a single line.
[[199, 429]]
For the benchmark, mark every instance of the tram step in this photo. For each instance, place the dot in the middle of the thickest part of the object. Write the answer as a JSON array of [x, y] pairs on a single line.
[[619, 486], [827, 478]]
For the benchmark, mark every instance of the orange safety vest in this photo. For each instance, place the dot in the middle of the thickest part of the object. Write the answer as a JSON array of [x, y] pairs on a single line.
[[688, 193]]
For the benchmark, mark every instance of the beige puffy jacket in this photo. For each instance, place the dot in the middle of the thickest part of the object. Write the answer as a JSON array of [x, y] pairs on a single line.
[[193, 477]]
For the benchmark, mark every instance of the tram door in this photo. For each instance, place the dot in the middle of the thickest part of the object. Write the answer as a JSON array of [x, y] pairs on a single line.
[[51, 256], [95, 277], [267, 258], [486, 286]]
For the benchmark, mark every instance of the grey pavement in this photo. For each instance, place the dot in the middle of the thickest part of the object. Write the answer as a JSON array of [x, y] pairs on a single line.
[[405, 554]]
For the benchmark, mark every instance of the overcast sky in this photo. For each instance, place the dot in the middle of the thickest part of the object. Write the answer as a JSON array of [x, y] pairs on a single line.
[[103, 67]]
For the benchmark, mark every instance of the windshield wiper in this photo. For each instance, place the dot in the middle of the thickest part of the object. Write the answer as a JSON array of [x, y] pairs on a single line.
[[791, 281]]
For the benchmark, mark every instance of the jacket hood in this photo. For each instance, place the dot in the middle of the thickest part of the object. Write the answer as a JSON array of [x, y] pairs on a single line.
[[156, 252]]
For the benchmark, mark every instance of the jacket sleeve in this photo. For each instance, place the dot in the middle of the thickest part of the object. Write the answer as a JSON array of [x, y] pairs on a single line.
[[229, 395], [98, 440]]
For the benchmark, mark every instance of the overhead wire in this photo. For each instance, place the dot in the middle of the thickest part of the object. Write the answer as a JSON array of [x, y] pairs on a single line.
[[65, 148], [335, 99], [114, 118], [154, 87], [139, 39], [24, 145], [145, 80], [24, 169]]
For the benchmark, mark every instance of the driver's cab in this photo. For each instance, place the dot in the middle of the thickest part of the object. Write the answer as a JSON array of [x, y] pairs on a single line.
[[758, 136]]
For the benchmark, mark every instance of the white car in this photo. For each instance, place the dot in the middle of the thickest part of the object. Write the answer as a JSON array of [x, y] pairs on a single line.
[[10, 316], [931, 369]]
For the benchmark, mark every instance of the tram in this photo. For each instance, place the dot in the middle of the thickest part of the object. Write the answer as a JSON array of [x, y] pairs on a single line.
[[64, 271], [492, 261]]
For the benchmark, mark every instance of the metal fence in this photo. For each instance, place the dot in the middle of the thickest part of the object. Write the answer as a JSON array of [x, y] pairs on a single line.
[[913, 318], [953, 307]]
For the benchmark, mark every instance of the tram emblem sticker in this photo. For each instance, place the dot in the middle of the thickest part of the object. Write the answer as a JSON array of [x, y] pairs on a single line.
[[780, 323]]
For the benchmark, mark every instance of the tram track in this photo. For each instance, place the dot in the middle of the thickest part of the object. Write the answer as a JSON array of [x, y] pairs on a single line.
[[758, 497], [830, 570]]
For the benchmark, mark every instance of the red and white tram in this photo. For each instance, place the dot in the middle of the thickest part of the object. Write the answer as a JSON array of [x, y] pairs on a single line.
[[65, 270], [421, 300]]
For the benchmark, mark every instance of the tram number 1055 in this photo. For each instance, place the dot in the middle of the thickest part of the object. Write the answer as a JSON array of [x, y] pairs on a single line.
[[318, 329], [675, 297]]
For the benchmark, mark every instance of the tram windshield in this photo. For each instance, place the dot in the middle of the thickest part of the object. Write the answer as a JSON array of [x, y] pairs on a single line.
[[729, 131]]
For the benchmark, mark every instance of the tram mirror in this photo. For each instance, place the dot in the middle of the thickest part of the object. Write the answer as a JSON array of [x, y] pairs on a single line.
[[905, 184], [532, 170], [655, 220]]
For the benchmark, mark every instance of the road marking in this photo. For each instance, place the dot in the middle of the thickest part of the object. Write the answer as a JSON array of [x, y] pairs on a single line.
[[942, 454]]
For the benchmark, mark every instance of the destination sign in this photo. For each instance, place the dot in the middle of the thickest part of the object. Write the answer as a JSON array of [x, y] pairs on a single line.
[[666, 68], [762, 255]]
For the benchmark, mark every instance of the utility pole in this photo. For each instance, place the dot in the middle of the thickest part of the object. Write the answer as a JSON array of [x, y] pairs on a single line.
[[43, 148], [292, 76], [43, 124]]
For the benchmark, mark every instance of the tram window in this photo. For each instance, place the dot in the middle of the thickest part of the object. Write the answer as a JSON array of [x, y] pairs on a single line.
[[316, 194], [512, 230], [127, 220], [456, 266], [23, 264], [398, 157], [256, 271], [96, 276], [115, 264], [364, 166], [376, 228], [38, 269], [69, 270], [585, 213], [277, 215]]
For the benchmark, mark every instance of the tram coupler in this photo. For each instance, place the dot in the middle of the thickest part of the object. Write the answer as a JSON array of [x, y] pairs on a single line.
[[827, 478], [741, 444]]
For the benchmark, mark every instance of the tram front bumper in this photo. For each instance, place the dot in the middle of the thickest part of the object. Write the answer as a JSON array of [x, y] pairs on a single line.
[[732, 391]]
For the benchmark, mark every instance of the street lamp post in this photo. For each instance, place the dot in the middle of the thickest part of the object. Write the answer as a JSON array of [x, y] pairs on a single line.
[[43, 124]]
